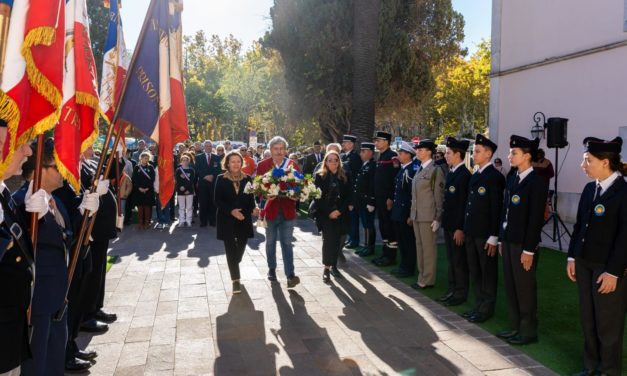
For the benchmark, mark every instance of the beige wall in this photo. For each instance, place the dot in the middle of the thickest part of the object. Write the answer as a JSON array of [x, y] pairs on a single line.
[[589, 90]]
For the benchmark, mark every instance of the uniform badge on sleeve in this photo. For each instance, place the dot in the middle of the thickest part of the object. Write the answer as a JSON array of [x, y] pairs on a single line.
[[482, 191], [515, 199], [599, 210]]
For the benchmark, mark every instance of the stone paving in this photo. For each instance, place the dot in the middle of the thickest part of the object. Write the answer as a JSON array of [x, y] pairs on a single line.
[[177, 316]]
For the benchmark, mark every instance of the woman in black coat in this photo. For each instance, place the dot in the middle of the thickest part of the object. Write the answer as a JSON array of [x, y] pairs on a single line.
[[522, 220], [235, 211], [597, 256], [144, 189], [332, 211]]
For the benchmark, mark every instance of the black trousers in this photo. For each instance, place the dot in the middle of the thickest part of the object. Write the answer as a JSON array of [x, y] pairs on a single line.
[[95, 281], [484, 273], [522, 291], [386, 228], [332, 235], [78, 303], [602, 319], [407, 245], [457, 267], [234, 248], [206, 206]]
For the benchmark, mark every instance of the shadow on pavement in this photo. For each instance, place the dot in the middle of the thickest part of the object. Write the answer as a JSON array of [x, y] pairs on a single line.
[[404, 341], [307, 344], [241, 340]]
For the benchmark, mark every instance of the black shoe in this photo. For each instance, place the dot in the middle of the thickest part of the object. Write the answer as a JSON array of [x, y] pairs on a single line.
[[85, 355], [77, 365], [479, 318], [326, 276], [416, 286], [94, 326], [452, 302], [366, 252], [507, 334], [351, 245], [586, 372], [335, 272], [445, 297], [520, 340], [105, 316], [292, 281], [469, 314], [385, 262], [272, 275], [236, 287], [377, 259]]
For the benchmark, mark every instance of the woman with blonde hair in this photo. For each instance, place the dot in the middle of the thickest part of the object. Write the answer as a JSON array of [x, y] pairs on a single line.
[[332, 210]]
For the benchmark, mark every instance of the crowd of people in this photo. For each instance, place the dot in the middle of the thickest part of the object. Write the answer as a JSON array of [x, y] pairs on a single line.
[[413, 194]]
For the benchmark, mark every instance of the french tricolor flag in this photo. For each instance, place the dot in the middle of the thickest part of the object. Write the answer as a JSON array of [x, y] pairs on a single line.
[[153, 101], [115, 63]]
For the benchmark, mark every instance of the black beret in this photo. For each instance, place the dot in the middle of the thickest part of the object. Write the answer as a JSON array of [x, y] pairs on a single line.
[[349, 137], [426, 144], [367, 145], [484, 141], [384, 135], [597, 145], [453, 143], [522, 142]]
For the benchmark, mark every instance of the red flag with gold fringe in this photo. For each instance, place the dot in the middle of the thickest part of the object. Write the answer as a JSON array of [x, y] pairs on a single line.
[[32, 80]]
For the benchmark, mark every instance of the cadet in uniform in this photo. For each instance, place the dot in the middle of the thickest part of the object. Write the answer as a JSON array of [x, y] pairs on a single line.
[[481, 229], [363, 197], [48, 315], [351, 164], [426, 213], [16, 271], [597, 256], [522, 221], [387, 168], [453, 211], [400, 210]]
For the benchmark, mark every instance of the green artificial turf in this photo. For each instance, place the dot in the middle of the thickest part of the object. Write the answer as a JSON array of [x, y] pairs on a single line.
[[110, 261], [560, 345]]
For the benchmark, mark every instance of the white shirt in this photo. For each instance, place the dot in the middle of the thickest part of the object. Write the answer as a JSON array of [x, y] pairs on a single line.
[[607, 183], [426, 164], [456, 167]]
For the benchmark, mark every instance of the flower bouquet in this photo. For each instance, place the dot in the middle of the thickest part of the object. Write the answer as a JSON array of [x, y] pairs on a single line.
[[288, 183]]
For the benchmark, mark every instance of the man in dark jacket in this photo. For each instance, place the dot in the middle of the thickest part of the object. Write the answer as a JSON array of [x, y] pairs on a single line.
[[351, 163], [207, 169]]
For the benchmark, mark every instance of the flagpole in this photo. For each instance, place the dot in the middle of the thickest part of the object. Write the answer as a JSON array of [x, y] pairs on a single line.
[[87, 223], [5, 19]]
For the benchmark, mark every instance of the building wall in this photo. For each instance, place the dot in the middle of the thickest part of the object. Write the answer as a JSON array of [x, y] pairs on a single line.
[[589, 90]]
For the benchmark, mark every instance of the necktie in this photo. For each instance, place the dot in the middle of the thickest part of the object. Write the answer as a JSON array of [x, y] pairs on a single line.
[[516, 181], [208, 159], [598, 192]]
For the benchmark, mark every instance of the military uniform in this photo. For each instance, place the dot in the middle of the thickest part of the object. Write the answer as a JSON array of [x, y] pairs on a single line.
[[363, 197], [16, 276], [48, 318], [523, 218], [453, 210], [351, 162], [426, 214], [387, 168], [481, 225], [598, 245], [400, 214]]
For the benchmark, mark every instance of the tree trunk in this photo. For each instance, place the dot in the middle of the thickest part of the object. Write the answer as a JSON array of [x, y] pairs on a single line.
[[365, 48]]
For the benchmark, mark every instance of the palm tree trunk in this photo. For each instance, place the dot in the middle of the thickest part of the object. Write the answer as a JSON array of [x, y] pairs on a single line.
[[365, 48]]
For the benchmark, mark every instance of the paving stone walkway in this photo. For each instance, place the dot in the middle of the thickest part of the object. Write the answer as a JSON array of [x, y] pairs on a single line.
[[177, 316]]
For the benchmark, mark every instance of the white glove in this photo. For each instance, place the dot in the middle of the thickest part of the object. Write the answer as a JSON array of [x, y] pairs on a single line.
[[370, 208], [1, 215], [91, 202], [38, 202], [435, 226], [103, 186]]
